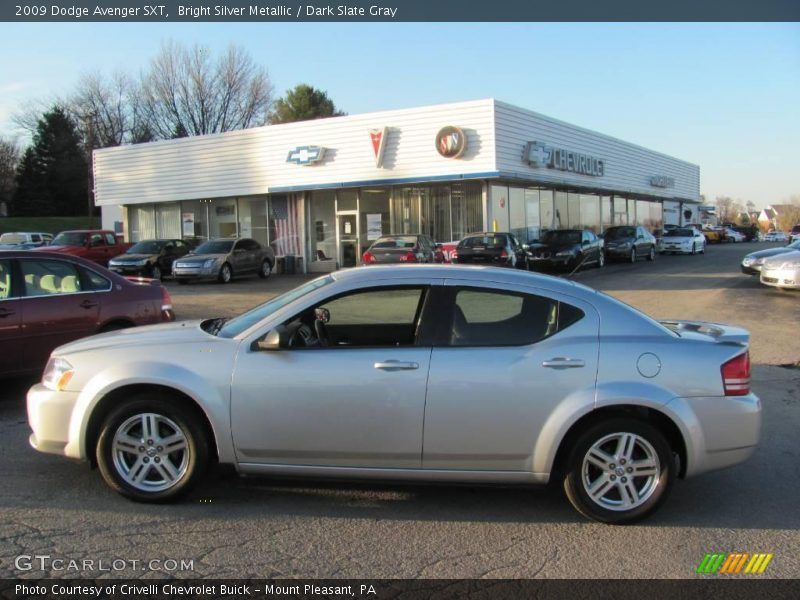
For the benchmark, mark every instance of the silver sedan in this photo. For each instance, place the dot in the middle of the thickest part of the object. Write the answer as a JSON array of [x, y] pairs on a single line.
[[415, 373]]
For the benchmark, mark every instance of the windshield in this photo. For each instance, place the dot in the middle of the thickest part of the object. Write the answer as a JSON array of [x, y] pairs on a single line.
[[13, 238], [239, 324], [148, 247], [214, 247], [562, 237], [679, 233], [71, 238], [406, 241], [485, 241], [619, 233]]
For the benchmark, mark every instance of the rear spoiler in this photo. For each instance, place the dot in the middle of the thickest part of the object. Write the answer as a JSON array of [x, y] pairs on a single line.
[[720, 333]]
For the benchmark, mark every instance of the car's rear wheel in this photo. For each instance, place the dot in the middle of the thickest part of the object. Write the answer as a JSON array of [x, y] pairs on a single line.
[[151, 450], [225, 274], [652, 254], [619, 471], [155, 272], [266, 270]]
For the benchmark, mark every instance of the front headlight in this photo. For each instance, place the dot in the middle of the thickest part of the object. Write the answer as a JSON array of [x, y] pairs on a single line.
[[210, 262], [57, 374], [141, 263], [747, 261]]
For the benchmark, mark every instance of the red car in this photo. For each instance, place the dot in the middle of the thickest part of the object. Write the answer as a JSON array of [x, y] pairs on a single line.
[[49, 299], [97, 245]]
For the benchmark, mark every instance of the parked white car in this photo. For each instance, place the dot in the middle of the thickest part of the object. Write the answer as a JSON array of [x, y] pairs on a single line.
[[23, 240], [782, 271], [776, 236], [731, 235], [684, 240]]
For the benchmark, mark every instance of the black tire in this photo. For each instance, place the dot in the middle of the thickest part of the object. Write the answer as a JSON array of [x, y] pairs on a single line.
[[651, 256], [183, 281], [703, 249], [633, 255], [155, 272], [655, 490], [193, 460], [225, 273], [601, 259], [694, 249], [266, 270]]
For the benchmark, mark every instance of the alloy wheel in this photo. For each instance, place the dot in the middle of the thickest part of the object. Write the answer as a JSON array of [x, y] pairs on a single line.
[[150, 452], [620, 471]]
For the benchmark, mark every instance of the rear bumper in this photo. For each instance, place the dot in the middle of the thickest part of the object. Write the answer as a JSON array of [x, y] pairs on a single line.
[[721, 431]]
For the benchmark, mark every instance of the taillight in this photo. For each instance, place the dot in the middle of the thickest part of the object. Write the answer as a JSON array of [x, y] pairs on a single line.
[[166, 304], [408, 257], [736, 375], [368, 258], [504, 254]]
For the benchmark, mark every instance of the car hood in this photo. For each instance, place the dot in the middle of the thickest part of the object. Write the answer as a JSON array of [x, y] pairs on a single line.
[[770, 252], [132, 257], [185, 332], [198, 258], [553, 247]]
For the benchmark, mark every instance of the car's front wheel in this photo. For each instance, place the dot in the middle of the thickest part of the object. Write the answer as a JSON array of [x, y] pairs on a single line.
[[633, 255], [619, 471], [225, 274], [652, 254], [155, 272], [151, 449], [266, 270]]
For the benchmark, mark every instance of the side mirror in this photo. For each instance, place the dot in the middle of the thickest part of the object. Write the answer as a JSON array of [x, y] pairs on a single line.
[[274, 340]]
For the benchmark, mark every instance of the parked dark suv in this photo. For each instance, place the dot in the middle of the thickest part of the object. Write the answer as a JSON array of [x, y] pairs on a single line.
[[629, 242], [497, 249], [566, 249]]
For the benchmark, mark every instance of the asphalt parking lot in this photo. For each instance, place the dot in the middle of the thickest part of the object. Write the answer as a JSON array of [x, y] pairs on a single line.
[[234, 527]]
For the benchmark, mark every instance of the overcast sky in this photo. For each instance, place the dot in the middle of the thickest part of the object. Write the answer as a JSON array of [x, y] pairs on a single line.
[[724, 96]]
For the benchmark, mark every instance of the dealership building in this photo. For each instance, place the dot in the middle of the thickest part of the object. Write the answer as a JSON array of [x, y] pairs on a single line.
[[322, 191]]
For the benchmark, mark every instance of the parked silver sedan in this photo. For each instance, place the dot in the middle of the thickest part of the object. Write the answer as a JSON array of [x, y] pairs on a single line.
[[421, 373], [222, 259], [782, 271]]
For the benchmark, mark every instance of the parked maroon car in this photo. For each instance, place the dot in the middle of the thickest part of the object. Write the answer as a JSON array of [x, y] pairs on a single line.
[[49, 299]]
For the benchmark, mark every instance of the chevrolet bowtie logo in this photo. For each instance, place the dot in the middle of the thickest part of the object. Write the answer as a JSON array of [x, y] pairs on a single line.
[[305, 155], [538, 154]]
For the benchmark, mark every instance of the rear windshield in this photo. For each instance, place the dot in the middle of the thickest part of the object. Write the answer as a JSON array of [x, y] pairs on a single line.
[[148, 247], [71, 238], [484, 241], [405, 241], [214, 247], [618, 233], [562, 237], [679, 233]]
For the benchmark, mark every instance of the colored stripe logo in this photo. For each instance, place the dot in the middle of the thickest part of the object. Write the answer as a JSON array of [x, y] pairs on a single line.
[[734, 563]]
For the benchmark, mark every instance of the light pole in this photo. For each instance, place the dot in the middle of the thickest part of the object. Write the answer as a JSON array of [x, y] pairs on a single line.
[[88, 126]]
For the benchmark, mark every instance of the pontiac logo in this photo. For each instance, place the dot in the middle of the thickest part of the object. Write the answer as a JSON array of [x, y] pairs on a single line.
[[305, 155], [451, 142], [378, 138]]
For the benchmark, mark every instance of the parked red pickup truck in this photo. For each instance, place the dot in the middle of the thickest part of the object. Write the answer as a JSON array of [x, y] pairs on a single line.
[[97, 245]]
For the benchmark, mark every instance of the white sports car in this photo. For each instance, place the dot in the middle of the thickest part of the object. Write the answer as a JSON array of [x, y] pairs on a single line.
[[685, 240]]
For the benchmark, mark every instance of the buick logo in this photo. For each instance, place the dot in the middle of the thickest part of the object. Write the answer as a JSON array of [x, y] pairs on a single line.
[[305, 155], [451, 142]]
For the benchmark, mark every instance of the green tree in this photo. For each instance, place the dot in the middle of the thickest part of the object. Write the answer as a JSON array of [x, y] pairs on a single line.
[[52, 175], [303, 103]]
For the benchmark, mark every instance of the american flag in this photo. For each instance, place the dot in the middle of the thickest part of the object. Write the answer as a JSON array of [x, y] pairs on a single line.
[[284, 212]]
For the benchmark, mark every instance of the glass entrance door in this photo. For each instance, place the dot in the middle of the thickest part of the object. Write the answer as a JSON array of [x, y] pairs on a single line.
[[348, 239]]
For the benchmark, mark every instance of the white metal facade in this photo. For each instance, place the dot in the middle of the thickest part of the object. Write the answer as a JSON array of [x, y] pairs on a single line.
[[254, 161]]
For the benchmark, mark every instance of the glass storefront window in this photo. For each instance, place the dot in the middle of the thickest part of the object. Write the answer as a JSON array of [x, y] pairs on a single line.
[[532, 221], [466, 209], [590, 213], [561, 216], [405, 210], [194, 220], [620, 211], [631, 212], [656, 215], [346, 200], [606, 216], [516, 212], [375, 219], [547, 213], [574, 210], [435, 212], [253, 220], [322, 225], [223, 218], [499, 204]]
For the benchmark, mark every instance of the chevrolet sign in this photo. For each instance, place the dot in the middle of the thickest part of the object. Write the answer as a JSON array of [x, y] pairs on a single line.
[[538, 154], [662, 182], [306, 155]]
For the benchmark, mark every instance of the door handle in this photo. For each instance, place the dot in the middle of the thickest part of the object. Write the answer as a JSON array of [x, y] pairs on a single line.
[[564, 363], [88, 304], [396, 365]]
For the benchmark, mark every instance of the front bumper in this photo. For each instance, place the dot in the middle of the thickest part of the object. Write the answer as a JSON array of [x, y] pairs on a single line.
[[194, 273], [676, 248], [49, 414], [782, 278], [539, 263], [618, 251], [724, 430]]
